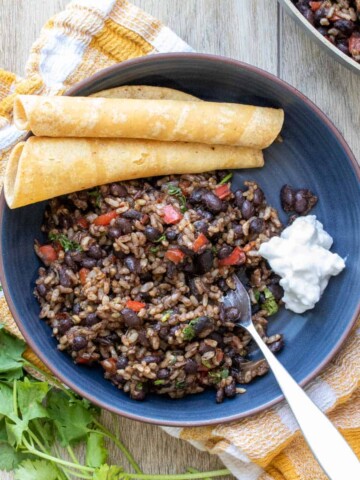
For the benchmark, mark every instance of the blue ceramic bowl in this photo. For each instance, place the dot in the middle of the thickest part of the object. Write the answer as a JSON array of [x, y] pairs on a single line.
[[313, 154]]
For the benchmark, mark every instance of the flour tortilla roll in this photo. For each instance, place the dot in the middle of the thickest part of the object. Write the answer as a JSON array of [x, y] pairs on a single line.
[[43, 168], [165, 120], [145, 92]]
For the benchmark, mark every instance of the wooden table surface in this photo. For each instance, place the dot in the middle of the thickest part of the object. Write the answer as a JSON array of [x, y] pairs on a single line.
[[254, 31]]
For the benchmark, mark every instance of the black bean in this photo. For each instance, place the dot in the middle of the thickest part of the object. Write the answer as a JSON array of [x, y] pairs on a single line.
[[91, 319], [76, 308], [322, 30], [276, 346], [201, 226], [132, 214], [276, 290], [247, 209], [41, 290], [95, 251], [133, 264], [301, 203], [118, 190], [191, 366], [212, 202], [204, 262], [345, 26], [70, 262], [232, 314], [224, 251], [173, 330], [152, 359], [171, 234], [202, 325], [124, 225], [204, 348], [205, 214], [224, 287], [238, 360], [239, 198], [79, 343], [309, 15], [196, 195], [230, 390], [188, 266], [164, 333], [163, 373], [65, 221], [114, 232], [138, 395], [142, 338], [120, 255], [257, 225], [64, 325], [77, 256], [88, 262], [217, 337], [343, 45], [238, 231], [64, 278], [220, 395], [152, 233], [119, 379], [131, 318], [255, 308], [122, 362], [171, 270], [193, 288], [259, 197], [287, 198]]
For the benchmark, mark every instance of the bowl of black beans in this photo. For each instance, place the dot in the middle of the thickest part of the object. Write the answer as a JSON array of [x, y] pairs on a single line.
[[333, 24]]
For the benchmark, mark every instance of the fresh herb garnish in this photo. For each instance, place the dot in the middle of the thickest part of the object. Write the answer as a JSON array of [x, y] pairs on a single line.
[[256, 294], [65, 242], [159, 382], [219, 375], [270, 304], [154, 249], [166, 315], [189, 330], [177, 192], [96, 194], [214, 250], [206, 363], [34, 415], [226, 179], [161, 239]]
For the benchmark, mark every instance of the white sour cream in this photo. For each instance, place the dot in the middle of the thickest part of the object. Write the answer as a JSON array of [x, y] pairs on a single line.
[[302, 258]]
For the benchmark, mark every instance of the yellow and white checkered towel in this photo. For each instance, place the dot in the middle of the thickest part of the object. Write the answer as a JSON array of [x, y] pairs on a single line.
[[86, 37]]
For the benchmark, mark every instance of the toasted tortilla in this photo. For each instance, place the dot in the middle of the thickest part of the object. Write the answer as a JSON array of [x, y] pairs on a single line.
[[145, 92]]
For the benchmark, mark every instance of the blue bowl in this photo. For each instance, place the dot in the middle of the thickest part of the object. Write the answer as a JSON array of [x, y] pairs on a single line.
[[313, 155]]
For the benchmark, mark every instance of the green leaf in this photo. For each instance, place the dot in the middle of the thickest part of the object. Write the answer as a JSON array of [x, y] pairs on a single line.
[[161, 239], [177, 192], [71, 419], [96, 452], [65, 242], [189, 331], [36, 470], [226, 179], [9, 457], [3, 432], [6, 400], [256, 294], [96, 194], [30, 397], [43, 427], [270, 304], [11, 350], [11, 375], [15, 430], [106, 472], [159, 382], [218, 375]]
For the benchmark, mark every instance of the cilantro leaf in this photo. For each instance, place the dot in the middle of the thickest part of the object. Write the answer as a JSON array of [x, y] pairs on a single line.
[[15, 429], [270, 304], [96, 452], [9, 457], [30, 397], [161, 239], [71, 419], [96, 194], [189, 331], [177, 192], [36, 470], [219, 375], [106, 472], [65, 242], [226, 179], [6, 400], [11, 350]]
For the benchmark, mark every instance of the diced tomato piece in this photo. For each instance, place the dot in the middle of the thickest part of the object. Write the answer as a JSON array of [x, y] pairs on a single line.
[[354, 44], [175, 255], [236, 257], [82, 360], [171, 215], [47, 253], [315, 5], [83, 273], [136, 306], [109, 365], [200, 242], [223, 191], [106, 218], [82, 222]]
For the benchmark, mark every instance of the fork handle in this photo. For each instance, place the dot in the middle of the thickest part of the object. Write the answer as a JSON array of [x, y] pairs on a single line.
[[329, 447]]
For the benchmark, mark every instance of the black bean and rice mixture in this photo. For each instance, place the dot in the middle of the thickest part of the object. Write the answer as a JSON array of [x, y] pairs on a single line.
[[134, 276], [337, 20]]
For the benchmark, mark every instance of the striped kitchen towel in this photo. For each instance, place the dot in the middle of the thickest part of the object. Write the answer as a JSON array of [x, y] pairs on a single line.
[[86, 37]]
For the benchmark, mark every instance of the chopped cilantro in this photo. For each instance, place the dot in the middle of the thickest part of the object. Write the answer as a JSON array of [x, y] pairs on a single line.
[[159, 382], [180, 384], [96, 194], [166, 315], [161, 239], [177, 192], [270, 304], [189, 331], [214, 250], [65, 242], [139, 386], [219, 375], [154, 249], [206, 363], [226, 179], [256, 294]]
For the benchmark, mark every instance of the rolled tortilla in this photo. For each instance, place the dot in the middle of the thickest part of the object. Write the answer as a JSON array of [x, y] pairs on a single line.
[[145, 92], [43, 168], [166, 120]]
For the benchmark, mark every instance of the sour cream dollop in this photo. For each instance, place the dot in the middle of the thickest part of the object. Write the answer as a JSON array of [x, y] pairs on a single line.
[[302, 258]]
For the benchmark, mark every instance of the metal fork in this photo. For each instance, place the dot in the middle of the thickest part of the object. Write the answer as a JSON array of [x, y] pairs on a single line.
[[329, 447]]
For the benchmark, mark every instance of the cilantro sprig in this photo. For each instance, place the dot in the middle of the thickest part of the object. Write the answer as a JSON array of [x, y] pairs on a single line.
[[36, 415], [226, 179], [96, 194], [177, 192], [65, 242], [270, 304]]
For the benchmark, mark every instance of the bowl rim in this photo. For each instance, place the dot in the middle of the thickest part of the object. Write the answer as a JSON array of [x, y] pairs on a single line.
[[346, 61], [92, 397]]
